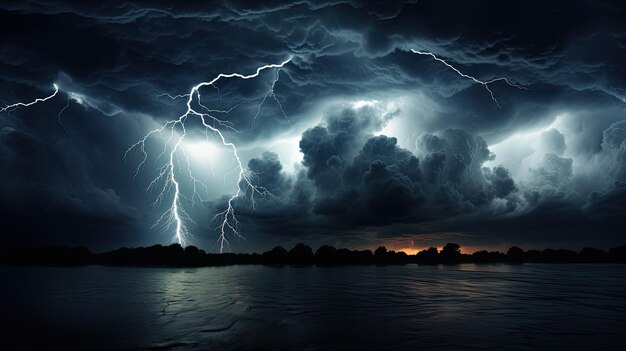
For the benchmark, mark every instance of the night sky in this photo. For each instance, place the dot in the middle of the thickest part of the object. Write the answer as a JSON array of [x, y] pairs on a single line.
[[361, 141]]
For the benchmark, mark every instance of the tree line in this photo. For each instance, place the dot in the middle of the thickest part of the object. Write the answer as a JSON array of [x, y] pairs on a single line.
[[301, 254]]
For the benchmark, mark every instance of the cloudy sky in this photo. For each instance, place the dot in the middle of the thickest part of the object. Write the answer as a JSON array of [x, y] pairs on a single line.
[[360, 140]]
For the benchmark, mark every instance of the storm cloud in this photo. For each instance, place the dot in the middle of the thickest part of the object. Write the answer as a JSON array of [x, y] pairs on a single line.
[[362, 142]]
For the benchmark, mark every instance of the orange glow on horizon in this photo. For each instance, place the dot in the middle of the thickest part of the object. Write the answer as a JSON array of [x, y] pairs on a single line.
[[414, 250], [464, 249]]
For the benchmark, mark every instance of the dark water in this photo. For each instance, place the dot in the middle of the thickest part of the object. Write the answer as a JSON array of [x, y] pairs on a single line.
[[309, 308]]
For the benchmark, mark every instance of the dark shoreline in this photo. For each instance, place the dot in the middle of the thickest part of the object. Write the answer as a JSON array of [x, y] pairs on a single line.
[[190, 256]]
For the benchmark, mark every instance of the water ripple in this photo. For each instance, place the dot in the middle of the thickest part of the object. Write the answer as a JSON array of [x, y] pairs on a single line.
[[255, 307]]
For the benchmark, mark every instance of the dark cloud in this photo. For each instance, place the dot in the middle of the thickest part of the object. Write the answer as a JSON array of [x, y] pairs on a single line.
[[268, 172], [614, 144], [327, 148], [52, 192], [359, 179], [501, 182]]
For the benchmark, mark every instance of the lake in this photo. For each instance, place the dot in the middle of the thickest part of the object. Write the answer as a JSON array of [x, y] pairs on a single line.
[[548, 306]]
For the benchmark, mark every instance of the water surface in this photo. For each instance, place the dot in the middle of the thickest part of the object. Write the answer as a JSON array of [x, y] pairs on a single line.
[[316, 308]]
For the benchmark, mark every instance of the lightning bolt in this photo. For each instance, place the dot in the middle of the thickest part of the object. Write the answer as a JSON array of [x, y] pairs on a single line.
[[9, 108], [168, 175], [59, 119], [485, 84], [273, 95]]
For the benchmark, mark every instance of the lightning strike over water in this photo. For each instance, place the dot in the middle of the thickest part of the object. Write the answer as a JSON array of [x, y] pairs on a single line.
[[168, 180], [483, 83], [9, 108]]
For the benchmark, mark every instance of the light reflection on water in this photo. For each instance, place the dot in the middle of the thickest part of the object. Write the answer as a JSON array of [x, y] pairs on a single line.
[[317, 308]]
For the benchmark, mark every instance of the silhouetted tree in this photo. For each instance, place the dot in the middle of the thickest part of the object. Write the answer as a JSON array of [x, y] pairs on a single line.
[[191, 250], [451, 253], [618, 254], [194, 256], [175, 255], [365, 256], [555, 256], [482, 256], [380, 254], [429, 256], [532, 256], [397, 257], [277, 255], [301, 254], [515, 254], [589, 254], [325, 254]]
